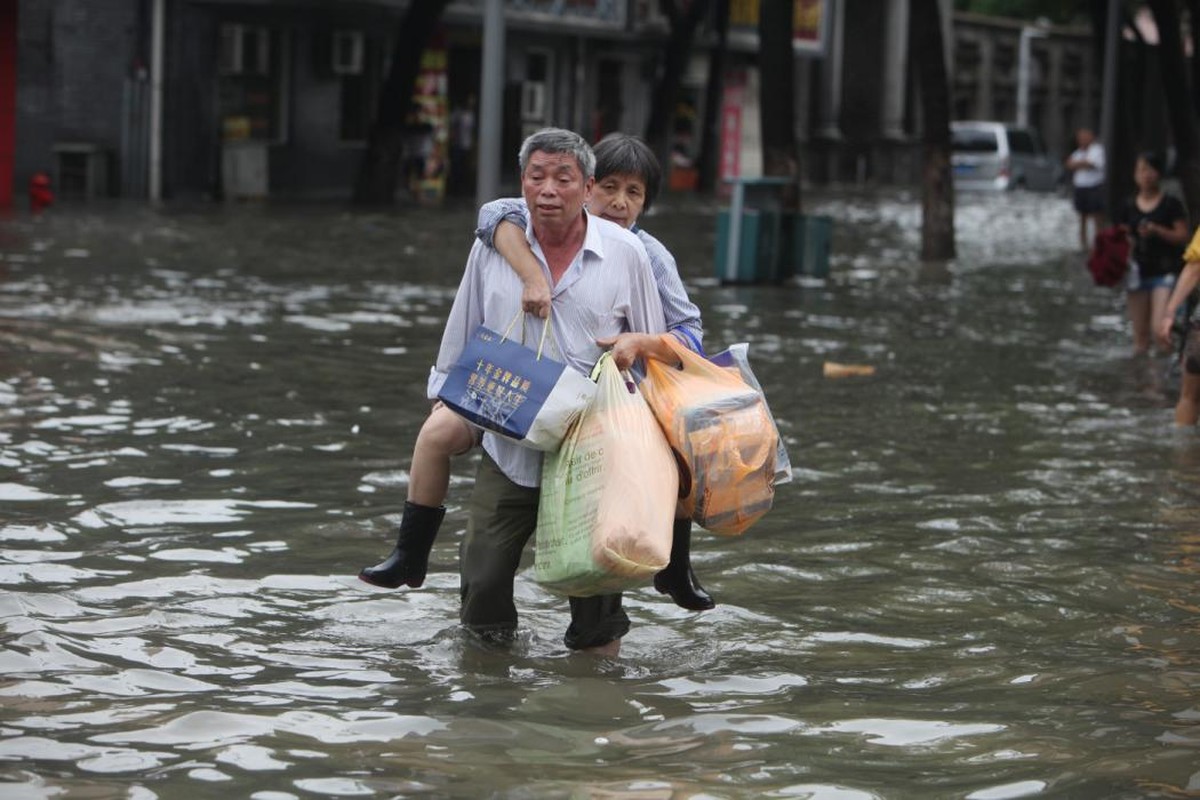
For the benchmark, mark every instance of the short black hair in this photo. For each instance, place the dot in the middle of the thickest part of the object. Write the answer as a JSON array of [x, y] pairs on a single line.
[[1154, 160], [621, 154]]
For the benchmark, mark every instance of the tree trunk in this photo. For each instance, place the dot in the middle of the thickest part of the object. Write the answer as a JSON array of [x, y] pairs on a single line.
[[776, 67], [666, 90], [1178, 96], [379, 168], [710, 146], [937, 179]]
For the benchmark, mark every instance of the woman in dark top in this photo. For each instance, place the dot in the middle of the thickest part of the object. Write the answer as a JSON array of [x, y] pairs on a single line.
[[1156, 223]]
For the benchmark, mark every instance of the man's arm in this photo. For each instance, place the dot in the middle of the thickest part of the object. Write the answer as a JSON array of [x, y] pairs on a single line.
[[501, 224]]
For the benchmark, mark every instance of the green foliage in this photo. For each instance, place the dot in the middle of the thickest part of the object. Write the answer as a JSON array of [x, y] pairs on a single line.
[[1059, 11]]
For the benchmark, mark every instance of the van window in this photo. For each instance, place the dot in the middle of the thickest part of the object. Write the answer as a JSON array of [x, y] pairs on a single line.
[[967, 140], [1020, 141]]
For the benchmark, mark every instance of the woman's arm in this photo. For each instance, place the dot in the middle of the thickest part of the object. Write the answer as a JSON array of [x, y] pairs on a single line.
[[629, 347], [511, 243], [501, 225], [1188, 279]]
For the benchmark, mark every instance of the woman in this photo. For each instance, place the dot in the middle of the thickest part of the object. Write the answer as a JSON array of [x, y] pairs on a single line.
[[1188, 407], [1156, 224]]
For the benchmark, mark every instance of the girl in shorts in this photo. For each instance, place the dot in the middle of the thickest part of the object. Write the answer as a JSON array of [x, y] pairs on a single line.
[[1156, 224]]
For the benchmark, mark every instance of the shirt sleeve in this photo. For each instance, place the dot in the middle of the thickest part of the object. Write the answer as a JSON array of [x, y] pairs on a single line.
[[1193, 249], [645, 305], [681, 314], [492, 214], [1095, 156], [465, 315]]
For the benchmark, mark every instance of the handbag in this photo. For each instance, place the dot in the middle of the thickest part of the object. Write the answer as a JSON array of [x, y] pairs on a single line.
[[1109, 259], [608, 496], [736, 358], [723, 434], [509, 389]]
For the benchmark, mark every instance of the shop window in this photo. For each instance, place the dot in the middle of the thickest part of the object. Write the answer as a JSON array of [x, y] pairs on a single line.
[[354, 61], [535, 90], [252, 82]]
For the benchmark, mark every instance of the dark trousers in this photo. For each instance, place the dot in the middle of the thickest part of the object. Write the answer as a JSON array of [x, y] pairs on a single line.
[[502, 517]]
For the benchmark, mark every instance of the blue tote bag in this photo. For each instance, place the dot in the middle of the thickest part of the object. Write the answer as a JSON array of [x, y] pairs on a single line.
[[507, 388]]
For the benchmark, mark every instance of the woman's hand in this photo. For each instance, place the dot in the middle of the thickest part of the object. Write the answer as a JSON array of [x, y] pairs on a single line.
[[629, 347], [1165, 323], [535, 296]]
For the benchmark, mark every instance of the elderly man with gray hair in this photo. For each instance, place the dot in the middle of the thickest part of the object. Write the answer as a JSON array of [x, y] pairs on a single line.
[[602, 287]]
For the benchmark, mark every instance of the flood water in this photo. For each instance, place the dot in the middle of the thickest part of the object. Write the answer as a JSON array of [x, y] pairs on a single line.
[[982, 583]]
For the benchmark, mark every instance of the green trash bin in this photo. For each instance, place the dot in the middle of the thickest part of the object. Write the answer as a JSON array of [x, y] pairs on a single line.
[[750, 241], [811, 234], [757, 255]]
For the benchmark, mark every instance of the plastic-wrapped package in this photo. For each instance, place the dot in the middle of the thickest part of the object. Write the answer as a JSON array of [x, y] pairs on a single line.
[[737, 357], [722, 431]]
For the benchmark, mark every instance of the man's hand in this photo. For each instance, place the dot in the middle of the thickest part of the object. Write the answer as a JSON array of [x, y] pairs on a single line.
[[535, 297]]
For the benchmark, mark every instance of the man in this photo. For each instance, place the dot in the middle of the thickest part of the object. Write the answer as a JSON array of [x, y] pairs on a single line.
[[602, 287], [1086, 165]]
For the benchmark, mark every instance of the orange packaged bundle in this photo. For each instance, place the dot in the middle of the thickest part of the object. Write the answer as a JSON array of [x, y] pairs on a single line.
[[722, 430]]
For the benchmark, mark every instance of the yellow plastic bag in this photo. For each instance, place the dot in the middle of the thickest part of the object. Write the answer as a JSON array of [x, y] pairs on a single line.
[[608, 496], [721, 429]]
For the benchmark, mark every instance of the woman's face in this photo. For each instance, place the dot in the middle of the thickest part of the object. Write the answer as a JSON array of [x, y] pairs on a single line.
[[619, 198], [1145, 176]]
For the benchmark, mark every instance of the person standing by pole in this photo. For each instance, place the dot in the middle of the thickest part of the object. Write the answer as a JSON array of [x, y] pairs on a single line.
[[1086, 165]]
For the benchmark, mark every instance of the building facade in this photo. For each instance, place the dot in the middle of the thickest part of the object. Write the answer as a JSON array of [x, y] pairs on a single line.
[[275, 97]]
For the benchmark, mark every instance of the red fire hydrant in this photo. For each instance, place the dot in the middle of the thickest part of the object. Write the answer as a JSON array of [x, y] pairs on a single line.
[[40, 194]]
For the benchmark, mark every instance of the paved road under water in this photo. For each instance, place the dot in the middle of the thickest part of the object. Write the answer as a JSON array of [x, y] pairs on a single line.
[[982, 583]]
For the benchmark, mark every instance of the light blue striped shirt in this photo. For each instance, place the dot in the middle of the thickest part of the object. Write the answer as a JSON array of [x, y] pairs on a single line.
[[682, 315], [608, 289]]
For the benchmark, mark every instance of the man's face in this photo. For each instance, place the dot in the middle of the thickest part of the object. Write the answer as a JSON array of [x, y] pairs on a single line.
[[619, 198], [1084, 137], [554, 188]]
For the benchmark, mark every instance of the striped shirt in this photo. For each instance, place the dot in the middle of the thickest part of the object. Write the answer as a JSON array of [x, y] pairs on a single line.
[[682, 315], [607, 289]]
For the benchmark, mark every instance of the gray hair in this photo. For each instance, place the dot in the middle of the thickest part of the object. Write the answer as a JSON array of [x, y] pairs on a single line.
[[559, 140]]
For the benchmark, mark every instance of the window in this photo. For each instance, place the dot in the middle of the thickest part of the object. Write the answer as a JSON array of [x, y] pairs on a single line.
[[348, 50], [252, 83], [245, 50], [966, 140], [1022, 141]]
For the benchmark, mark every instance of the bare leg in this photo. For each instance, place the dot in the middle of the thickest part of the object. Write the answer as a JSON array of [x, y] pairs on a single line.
[[610, 650], [1083, 237], [443, 435], [1138, 304], [1158, 307], [1188, 408]]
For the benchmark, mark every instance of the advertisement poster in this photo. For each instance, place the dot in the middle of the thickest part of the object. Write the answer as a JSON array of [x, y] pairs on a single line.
[[427, 163]]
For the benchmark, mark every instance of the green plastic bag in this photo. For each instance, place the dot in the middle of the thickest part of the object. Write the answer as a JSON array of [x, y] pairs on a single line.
[[608, 496]]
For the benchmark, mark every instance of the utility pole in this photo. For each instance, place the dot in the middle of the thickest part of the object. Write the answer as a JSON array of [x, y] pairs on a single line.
[[491, 103]]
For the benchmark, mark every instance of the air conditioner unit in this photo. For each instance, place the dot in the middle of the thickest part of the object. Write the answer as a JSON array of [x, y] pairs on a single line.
[[348, 49], [533, 100]]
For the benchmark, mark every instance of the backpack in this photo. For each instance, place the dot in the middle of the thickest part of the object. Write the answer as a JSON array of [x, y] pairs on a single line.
[[1109, 260]]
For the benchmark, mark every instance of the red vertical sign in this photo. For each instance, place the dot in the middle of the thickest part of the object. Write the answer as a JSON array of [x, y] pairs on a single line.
[[8, 99], [731, 128]]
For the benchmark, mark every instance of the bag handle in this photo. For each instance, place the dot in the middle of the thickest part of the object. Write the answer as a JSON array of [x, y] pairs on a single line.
[[541, 342]]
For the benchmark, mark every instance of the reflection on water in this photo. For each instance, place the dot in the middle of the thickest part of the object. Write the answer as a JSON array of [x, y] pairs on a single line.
[[981, 583]]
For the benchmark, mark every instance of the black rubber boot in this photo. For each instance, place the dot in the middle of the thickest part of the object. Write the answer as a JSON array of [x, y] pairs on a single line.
[[678, 579], [408, 561]]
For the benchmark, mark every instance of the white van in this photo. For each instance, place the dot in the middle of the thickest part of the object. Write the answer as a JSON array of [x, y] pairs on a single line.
[[997, 156]]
